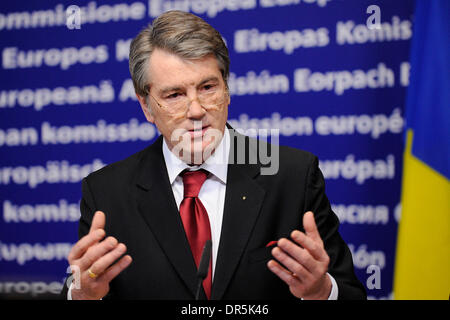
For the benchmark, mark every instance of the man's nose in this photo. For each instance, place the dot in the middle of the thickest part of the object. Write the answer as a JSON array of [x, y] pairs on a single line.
[[195, 109]]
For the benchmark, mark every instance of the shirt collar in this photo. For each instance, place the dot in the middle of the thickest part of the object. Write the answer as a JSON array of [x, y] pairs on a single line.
[[217, 163]]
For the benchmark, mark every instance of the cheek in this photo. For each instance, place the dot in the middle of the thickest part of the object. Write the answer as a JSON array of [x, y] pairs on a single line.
[[223, 115], [167, 125]]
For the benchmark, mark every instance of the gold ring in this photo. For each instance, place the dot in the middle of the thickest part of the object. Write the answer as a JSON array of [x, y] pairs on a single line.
[[91, 274]]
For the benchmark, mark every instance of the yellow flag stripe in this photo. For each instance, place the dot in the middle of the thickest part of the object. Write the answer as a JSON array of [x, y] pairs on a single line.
[[422, 267]]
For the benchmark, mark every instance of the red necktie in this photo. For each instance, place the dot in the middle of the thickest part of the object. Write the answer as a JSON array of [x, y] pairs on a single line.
[[195, 220]]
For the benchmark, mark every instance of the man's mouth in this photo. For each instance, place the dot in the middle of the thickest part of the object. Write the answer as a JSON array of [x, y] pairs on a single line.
[[198, 131]]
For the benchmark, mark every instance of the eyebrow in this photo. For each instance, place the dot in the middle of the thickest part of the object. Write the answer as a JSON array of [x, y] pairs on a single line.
[[177, 88]]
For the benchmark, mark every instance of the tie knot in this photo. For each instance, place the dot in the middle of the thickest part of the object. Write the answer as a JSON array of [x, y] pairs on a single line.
[[193, 181]]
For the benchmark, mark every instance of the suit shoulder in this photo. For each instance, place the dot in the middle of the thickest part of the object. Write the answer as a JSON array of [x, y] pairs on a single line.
[[287, 155], [121, 169], [286, 159], [290, 156]]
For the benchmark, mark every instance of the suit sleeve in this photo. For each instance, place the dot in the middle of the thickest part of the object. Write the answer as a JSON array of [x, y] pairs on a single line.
[[87, 209], [341, 263], [87, 212]]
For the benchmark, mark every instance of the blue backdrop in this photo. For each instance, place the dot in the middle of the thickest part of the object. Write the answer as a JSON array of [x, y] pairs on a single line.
[[323, 72]]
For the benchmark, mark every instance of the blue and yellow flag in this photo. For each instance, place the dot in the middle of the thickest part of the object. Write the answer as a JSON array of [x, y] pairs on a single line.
[[422, 267]]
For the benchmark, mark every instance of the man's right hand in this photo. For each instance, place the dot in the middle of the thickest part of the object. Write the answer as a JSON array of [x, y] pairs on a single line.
[[94, 259]]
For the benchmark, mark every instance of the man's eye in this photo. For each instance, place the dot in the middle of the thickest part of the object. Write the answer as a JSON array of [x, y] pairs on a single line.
[[173, 95], [208, 87]]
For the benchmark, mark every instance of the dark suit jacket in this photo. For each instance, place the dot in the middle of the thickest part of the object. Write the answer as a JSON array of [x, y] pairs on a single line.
[[141, 212]]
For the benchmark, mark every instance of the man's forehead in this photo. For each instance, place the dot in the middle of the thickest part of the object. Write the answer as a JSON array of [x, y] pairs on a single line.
[[168, 70], [162, 88]]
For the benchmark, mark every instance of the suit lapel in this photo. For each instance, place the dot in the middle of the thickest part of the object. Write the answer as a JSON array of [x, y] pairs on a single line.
[[243, 200], [157, 206]]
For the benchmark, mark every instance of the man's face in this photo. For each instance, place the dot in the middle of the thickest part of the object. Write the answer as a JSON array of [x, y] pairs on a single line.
[[174, 80]]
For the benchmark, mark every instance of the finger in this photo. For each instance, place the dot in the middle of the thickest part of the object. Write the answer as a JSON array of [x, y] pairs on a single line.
[[310, 226], [84, 244], [116, 268], [302, 256], [292, 265], [283, 274], [96, 252], [98, 221], [314, 248], [104, 262]]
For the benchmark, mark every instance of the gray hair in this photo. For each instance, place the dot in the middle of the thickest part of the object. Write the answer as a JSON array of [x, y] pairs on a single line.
[[180, 33]]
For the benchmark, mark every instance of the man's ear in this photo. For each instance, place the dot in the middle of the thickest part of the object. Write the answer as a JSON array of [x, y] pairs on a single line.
[[143, 101]]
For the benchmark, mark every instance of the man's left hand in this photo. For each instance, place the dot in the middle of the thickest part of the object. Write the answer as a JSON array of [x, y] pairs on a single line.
[[304, 262]]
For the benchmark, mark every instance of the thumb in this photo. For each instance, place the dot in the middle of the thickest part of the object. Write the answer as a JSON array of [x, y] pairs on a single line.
[[98, 221], [309, 224]]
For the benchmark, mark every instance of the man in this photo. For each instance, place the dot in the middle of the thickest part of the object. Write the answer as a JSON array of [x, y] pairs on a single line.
[[273, 235]]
